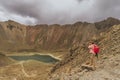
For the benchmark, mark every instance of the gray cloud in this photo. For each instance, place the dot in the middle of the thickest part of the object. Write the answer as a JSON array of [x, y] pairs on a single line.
[[58, 11], [107, 8]]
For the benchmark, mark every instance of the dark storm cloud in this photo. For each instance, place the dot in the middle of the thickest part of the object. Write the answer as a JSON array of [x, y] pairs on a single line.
[[60, 11]]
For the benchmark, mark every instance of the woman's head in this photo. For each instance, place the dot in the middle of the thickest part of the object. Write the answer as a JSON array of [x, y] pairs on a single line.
[[91, 42]]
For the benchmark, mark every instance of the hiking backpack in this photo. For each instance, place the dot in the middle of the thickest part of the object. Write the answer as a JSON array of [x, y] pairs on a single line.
[[96, 49]]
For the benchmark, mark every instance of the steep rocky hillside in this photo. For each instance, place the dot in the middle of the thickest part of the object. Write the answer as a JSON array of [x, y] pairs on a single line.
[[60, 37], [12, 35], [18, 37], [108, 66]]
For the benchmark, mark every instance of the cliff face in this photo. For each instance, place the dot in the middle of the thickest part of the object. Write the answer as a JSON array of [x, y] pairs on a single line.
[[58, 37], [62, 37], [15, 36], [12, 35]]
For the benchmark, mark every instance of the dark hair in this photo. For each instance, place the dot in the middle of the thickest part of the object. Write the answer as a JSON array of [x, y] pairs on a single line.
[[91, 42]]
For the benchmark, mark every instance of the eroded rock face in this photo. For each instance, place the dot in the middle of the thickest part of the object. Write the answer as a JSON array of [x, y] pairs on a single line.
[[60, 37], [50, 37], [12, 35]]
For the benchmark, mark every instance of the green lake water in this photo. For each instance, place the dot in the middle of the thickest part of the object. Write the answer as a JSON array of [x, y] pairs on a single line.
[[42, 58]]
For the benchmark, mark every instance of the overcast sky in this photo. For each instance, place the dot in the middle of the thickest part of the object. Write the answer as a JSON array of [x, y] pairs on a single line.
[[58, 11]]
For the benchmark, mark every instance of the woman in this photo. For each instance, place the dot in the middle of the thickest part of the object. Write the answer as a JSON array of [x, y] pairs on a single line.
[[93, 49]]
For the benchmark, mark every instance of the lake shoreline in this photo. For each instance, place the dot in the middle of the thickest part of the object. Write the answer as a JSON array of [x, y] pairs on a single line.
[[34, 53]]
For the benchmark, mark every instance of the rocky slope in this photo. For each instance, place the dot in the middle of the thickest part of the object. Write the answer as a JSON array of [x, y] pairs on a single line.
[[18, 37], [59, 37], [12, 35], [108, 66]]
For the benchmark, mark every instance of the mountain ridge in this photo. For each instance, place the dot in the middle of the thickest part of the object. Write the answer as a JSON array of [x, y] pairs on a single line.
[[58, 37]]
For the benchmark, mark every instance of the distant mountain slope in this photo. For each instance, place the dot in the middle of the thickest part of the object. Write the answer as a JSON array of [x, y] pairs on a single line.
[[61, 37], [57, 37], [12, 35], [18, 37], [105, 24]]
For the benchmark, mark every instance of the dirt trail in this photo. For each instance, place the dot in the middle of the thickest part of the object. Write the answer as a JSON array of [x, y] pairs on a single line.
[[24, 72]]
